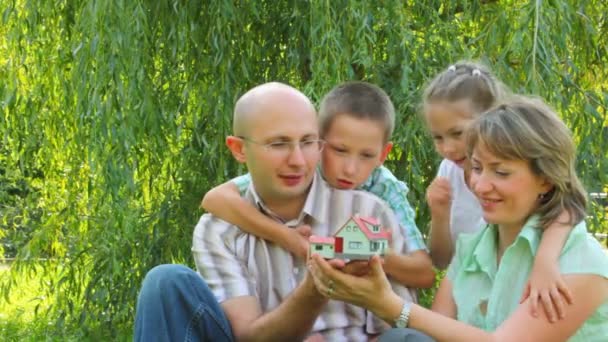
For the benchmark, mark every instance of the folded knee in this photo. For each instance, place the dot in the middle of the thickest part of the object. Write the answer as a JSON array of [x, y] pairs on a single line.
[[165, 277]]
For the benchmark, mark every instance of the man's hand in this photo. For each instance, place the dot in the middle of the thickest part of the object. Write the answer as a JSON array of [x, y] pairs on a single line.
[[357, 268]]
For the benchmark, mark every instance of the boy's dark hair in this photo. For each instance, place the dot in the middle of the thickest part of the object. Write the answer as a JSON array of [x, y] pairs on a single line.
[[360, 100]]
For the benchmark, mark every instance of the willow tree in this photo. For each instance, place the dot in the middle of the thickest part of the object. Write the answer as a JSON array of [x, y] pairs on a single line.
[[114, 113]]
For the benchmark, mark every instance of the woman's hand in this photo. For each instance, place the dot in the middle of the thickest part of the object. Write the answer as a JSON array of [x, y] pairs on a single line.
[[367, 291]]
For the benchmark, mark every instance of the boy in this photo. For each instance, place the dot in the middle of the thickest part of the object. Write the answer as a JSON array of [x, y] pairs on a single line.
[[356, 121]]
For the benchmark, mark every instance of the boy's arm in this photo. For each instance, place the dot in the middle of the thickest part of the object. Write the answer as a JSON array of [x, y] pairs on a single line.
[[391, 190], [225, 202], [415, 268], [546, 282]]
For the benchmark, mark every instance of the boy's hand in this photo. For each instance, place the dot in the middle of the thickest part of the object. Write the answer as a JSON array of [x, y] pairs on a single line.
[[546, 284], [298, 243], [439, 197]]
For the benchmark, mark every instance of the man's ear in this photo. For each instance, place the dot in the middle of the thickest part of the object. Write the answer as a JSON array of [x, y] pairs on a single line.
[[235, 145], [385, 151]]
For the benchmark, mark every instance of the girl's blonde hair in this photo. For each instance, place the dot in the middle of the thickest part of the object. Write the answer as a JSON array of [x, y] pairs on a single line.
[[527, 129], [466, 80]]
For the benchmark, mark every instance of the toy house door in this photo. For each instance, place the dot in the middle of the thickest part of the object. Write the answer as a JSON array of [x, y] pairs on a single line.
[[339, 242]]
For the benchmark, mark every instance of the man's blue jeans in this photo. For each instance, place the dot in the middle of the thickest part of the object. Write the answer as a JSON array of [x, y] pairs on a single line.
[[175, 304], [404, 335]]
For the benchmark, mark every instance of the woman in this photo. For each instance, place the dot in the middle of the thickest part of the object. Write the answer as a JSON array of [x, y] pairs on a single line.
[[523, 175]]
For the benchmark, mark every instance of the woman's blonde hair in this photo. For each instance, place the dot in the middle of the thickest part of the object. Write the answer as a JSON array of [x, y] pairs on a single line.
[[525, 128]]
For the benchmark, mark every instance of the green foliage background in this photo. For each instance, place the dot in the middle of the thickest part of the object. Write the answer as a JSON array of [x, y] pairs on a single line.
[[113, 114]]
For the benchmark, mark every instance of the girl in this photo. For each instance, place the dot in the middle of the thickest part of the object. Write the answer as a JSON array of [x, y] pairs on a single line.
[[451, 101]]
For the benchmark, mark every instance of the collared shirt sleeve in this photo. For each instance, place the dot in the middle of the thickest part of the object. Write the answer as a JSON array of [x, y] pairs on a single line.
[[582, 253], [385, 185], [464, 249], [213, 249], [242, 183]]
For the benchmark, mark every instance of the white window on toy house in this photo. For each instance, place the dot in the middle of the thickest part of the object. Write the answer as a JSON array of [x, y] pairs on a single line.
[[374, 246], [355, 244], [375, 228], [319, 247]]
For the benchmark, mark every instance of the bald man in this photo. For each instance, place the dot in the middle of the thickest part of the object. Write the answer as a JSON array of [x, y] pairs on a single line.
[[250, 288], [268, 114]]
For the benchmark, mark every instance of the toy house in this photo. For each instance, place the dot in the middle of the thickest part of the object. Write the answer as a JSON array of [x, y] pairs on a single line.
[[324, 246], [358, 239]]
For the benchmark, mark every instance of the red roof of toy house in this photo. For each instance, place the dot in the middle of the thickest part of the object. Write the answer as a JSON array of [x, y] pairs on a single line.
[[362, 223], [322, 240]]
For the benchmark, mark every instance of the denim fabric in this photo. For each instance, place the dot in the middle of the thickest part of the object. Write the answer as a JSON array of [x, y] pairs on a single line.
[[404, 335], [175, 304]]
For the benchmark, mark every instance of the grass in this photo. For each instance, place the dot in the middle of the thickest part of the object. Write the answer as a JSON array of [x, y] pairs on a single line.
[[17, 312], [18, 321]]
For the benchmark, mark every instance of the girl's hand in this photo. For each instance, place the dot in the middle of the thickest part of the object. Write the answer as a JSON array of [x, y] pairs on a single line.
[[547, 286], [439, 197]]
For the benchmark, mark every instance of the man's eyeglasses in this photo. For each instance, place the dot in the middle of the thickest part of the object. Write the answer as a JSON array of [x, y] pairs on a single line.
[[284, 148]]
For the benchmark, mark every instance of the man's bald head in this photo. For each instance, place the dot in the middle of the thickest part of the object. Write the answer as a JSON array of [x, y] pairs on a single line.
[[274, 127], [258, 100]]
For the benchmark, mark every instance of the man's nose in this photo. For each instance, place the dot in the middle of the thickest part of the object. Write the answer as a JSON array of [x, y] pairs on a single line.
[[296, 155]]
